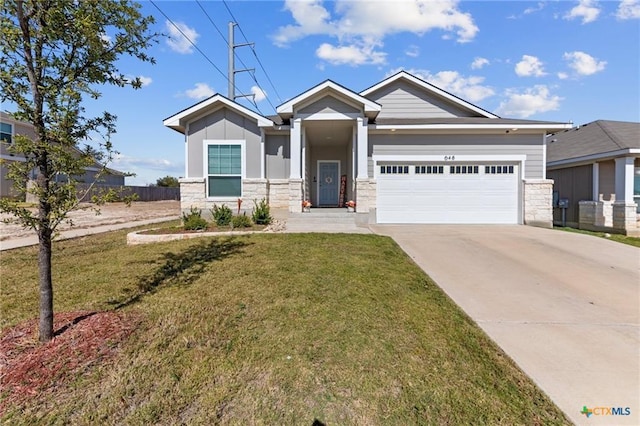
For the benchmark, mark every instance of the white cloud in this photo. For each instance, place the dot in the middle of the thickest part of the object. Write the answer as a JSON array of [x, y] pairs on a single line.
[[350, 55], [587, 10], [147, 170], [412, 51], [478, 63], [533, 100], [530, 66], [628, 9], [106, 38], [200, 91], [563, 75], [361, 26], [259, 94], [145, 81], [177, 41], [583, 63], [468, 88], [534, 9]]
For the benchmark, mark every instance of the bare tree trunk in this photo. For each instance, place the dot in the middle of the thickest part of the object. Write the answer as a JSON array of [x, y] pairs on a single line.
[[44, 254], [46, 287]]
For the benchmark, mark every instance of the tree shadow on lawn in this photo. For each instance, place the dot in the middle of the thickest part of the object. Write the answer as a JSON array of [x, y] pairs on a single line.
[[185, 267]]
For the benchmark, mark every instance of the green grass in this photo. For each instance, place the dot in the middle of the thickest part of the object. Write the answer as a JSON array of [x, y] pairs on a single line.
[[624, 239], [271, 329]]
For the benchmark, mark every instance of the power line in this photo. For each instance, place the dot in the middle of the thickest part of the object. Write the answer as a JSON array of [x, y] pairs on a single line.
[[254, 51], [255, 79], [197, 48]]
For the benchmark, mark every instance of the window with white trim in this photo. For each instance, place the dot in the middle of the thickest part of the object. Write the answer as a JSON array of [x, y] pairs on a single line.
[[498, 170], [224, 162], [394, 170], [6, 132], [429, 170], [463, 170]]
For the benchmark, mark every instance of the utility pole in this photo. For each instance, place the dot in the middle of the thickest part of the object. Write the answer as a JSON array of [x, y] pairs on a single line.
[[232, 70]]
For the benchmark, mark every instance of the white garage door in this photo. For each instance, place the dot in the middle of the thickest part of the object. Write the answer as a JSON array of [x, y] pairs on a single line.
[[447, 193]]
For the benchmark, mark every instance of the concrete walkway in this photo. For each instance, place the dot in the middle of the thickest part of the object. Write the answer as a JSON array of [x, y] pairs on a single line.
[[564, 306], [81, 232]]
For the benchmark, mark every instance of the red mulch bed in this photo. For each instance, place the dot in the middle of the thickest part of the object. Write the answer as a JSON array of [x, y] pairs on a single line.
[[82, 339]]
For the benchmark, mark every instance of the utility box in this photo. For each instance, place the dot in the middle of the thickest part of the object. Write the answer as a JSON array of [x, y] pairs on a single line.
[[563, 203]]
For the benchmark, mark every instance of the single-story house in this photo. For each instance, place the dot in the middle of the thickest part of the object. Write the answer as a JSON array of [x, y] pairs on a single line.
[[9, 128], [596, 167], [404, 150]]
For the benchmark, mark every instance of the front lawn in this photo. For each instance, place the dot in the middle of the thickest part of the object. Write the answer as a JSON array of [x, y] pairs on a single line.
[[269, 329], [624, 239]]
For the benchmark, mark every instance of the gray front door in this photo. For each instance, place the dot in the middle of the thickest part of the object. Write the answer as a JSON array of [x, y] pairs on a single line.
[[328, 183]]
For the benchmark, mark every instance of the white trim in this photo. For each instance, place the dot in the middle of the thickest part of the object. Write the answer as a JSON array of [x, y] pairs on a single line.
[[440, 159], [318, 179], [205, 166], [322, 116], [461, 126], [544, 157], [263, 158], [595, 196], [177, 121], [13, 158], [369, 106], [295, 149], [186, 152], [363, 148], [592, 157], [430, 88]]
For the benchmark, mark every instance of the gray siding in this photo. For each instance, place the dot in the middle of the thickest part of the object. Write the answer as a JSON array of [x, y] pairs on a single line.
[[278, 165], [529, 145], [404, 100], [226, 125], [328, 104], [574, 183], [606, 179]]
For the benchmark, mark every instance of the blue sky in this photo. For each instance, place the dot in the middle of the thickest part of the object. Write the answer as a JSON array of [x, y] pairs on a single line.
[[549, 60]]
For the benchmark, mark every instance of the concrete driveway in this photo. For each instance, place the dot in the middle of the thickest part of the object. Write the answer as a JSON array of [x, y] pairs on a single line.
[[564, 306]]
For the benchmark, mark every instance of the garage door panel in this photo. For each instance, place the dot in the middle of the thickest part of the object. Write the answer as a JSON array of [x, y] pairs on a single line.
[[448, 198]]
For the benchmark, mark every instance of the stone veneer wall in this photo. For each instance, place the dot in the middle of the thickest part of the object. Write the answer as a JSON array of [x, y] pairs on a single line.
[[625, 217], [278, 193], [366, 200], [538, 202], [295, 195], [618, 217], [193, 194]]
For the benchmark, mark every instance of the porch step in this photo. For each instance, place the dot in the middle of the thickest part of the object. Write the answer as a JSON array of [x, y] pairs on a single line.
[[324, 221]]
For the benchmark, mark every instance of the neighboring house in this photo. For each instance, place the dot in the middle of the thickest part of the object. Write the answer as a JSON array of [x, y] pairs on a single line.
[[404, 150], [9, 128], [597, 168]]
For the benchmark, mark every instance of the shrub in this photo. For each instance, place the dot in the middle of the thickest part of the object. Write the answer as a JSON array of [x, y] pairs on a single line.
[[241, 221], [193, 220], [261, 213], [221, 215]]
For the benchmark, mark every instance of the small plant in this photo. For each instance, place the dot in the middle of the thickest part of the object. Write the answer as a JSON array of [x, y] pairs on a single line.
[[261, 213], [241, 221], [221, 215], [193, 220]]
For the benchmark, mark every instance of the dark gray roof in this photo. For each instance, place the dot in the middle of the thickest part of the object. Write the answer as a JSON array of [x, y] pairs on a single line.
[[459, 120], [597, 137]]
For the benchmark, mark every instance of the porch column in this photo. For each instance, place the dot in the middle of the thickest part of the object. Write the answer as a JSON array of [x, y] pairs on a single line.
[[295, 148], [624, 179], [596, 182], [363, 143]]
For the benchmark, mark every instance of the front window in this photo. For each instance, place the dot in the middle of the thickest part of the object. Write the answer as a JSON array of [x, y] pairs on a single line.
[[224, 169], [6, 132]]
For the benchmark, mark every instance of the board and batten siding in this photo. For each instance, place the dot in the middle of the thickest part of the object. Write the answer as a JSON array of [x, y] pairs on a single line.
[[404, 100], [574, 183], [278, 157], [485, 145], [328, 104], [226, 125]]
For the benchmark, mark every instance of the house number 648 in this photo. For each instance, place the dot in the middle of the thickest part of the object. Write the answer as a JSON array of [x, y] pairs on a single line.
[[449, 157]]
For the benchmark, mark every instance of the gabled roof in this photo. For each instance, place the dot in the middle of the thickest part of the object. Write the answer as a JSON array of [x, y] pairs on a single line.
[[403, 75], [597, 139], [371, 108], [178, 122]]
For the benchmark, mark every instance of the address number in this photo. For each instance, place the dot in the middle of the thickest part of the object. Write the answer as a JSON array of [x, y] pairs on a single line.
[[449, 157]]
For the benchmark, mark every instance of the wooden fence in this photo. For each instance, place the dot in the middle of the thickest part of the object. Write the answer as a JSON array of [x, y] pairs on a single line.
[[144, 193]]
